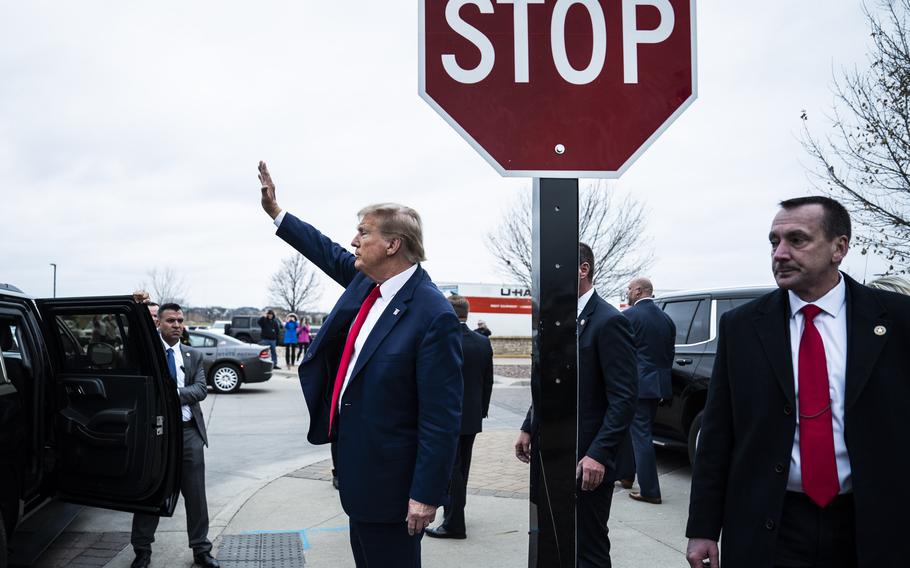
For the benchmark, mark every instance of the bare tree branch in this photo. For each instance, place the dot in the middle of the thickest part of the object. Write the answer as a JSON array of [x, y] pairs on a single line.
[[865, 161], [613, 228], [296, 284], [165, 285]]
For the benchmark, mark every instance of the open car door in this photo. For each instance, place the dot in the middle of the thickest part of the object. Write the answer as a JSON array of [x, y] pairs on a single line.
[[117, 430]]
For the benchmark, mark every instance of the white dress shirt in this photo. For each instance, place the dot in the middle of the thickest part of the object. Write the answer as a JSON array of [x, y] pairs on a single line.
[[181, 376], [831, 323], [387, 291], [583, 301]]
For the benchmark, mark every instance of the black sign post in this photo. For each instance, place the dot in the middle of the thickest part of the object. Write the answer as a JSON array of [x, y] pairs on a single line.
[[554, 373]]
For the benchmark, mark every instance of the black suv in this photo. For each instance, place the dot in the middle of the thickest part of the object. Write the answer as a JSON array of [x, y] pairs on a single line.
[[696, 315], [88, 411]]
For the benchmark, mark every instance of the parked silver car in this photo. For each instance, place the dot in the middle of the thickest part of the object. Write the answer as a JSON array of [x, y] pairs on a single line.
[[230, 362]]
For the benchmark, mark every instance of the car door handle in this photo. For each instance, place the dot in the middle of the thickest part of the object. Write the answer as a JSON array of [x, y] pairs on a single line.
[[683, 362]]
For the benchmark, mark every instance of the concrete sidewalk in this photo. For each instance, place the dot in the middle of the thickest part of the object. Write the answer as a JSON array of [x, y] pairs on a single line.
[[289, 516], [304, 503]]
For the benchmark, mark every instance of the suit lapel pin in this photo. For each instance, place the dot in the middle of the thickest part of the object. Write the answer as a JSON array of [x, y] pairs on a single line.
[[582, 322], [880, 330], [396, 312]]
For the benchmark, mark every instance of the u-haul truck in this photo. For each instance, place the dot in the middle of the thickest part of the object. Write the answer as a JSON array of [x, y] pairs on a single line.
[[506, 308]]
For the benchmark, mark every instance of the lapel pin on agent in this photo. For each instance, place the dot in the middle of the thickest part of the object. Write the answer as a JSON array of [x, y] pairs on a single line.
[[395, 313], [880, 330]]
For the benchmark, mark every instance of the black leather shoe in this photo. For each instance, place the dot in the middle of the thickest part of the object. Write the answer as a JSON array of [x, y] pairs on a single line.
[[143, 559], [639, 497], [441, 532], [205, 559]]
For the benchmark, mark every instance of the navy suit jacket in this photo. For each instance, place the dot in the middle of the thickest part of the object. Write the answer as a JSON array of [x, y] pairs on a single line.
[[478, 380], [607, 383], [655, 336], [401, 412]]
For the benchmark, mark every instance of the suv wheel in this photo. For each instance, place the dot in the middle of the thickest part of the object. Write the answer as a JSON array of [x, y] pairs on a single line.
[[244, 338], [225, 378], [694, 434]]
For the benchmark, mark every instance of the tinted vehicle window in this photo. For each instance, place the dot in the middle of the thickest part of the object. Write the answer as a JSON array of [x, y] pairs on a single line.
[[681, 313], [201, 341], [240, 322], [94, 341], [724, 306], [17, 352], [701, 323]]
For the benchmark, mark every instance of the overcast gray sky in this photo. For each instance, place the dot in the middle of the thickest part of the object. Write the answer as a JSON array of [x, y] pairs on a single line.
[[130, 134]]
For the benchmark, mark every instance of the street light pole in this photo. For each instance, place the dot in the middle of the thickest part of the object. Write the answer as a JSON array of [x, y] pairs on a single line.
[[55, 278]]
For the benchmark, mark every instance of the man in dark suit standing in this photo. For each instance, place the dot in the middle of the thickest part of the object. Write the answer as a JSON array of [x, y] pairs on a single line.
[[607, 390], [186, 368], [655, 336], [382, 378], [478, 386], [800, 462]]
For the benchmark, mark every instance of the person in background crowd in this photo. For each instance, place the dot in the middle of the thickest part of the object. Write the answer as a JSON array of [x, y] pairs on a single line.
[[383, 378], [268, 327], [482, 329], [891, 284], [303, 338], [290, 339], [799, 461], [478, 387]]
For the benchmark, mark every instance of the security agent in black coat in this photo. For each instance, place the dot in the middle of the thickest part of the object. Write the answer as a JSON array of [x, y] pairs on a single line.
[[607, 393], [478, 387], [740, 481]]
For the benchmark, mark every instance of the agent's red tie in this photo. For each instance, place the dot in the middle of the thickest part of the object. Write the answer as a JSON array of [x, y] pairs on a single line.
[[349, 350], [816, 432]]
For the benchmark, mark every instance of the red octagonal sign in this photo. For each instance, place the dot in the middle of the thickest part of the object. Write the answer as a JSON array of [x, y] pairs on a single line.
[[558, 88]]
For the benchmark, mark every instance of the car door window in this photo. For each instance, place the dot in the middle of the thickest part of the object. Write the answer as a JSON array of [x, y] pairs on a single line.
[[94, 341], [701, 323], [196, 340], [682, 313], [17, 352]]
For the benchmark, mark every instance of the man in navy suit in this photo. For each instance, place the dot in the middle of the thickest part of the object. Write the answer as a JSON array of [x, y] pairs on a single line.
[[382, 378], [478, 387], [655, 336], [607, 390]]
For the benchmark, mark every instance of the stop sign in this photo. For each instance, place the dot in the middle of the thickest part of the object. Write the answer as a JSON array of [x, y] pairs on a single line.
[[558, 88]]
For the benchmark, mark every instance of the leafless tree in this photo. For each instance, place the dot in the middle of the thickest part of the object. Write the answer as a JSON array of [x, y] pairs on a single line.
[[865, 161], [296, 284], [165, 286], [614, 229]]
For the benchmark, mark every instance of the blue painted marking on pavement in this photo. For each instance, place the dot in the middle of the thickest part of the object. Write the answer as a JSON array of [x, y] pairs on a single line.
[[304, 539]]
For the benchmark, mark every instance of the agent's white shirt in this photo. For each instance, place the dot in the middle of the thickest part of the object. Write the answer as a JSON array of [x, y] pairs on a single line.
[[832, 326], [181, 376], [583, 301]]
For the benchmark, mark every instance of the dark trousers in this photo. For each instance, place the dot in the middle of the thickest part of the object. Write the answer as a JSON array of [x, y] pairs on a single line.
[[290, 354], [382, 545], [643, 446], [592, 511], [192, 487], [453, 519], [271, 343], [812, 537]]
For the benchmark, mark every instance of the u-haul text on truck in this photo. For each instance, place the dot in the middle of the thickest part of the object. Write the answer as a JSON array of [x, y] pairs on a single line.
[[506, 308]]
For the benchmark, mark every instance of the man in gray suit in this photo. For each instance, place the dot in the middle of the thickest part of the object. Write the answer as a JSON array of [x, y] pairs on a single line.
[[185, 366], [655, 335]]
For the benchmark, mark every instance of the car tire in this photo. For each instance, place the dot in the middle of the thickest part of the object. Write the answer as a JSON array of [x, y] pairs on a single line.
[[694, 434], [245, 338], [225, 378]]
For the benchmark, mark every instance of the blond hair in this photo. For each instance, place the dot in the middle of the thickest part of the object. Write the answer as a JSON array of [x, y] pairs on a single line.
[[399, 221]]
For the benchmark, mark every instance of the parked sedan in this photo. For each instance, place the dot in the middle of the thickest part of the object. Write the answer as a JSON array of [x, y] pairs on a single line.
[[230, 362]]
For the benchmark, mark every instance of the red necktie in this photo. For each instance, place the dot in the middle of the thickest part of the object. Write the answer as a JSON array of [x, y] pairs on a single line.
[[816, 433], [349, 350]]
